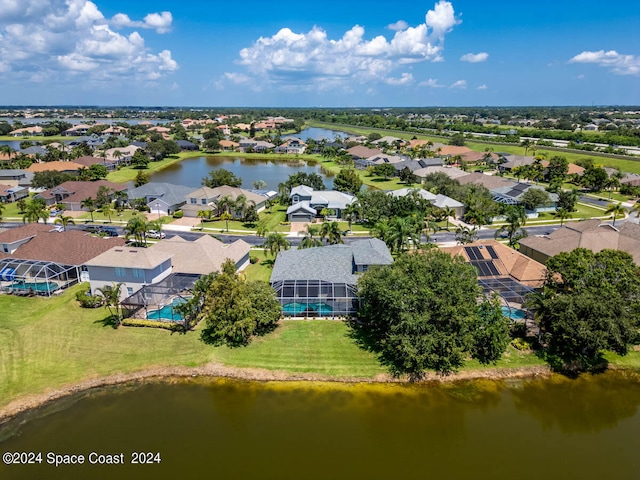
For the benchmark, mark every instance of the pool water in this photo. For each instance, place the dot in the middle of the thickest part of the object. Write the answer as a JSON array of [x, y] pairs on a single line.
[[167, 312], [513, 313]]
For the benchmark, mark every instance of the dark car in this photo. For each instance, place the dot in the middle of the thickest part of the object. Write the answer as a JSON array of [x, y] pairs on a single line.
[[109, 231], [92, 229]]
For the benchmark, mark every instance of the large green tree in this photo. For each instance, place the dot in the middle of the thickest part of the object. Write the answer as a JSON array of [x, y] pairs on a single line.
[[422, 313], [234, 310], [220, 177], [347, 180], [590, 302]]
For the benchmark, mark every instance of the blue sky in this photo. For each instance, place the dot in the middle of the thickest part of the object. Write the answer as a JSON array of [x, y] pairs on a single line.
[[325, 53]]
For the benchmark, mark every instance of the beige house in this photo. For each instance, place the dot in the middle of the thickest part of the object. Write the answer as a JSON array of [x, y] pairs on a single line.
[[205, 198], [590, 234]]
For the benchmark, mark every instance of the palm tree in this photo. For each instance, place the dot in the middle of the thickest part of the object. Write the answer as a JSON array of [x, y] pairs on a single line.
[[635, 209], [64, 221], [352, 212], [226, 216], [448, 212], [615, 209], [35, 210], [111, 294], [203, 215], [137, 228], [516, 218], [526, 144], [261, 230], [90, 205], [107, 211], [275, 242], [309, 240], [224, 204], [380, 230], [563, 214], [240, 205], [465, 235], [402, 234], [331, 231]]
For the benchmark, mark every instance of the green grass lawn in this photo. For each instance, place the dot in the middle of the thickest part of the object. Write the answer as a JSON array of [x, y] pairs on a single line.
[[272, 221], [36, 138], [261, 270], [128, 174]]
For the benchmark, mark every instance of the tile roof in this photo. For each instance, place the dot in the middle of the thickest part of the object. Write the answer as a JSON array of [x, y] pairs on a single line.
[[54, 166], [81, 190], [491, 182], [71, 247]]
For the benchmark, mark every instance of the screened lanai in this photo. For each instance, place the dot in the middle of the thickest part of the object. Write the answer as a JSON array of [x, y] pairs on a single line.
[[315, 298], [35, 277], [156, 302]]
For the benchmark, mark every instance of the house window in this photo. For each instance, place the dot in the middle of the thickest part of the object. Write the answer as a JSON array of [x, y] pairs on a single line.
[[129, 291], [193, 201], [137, 273], [203, 201], [296, 199], [120, 272]]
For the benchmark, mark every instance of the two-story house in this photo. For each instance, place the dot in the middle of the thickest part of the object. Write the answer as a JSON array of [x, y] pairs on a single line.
[[205, 198], [307, 204]]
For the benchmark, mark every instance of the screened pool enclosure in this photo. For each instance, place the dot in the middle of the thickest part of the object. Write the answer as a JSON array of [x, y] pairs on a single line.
[[34, 277], [315, 298]]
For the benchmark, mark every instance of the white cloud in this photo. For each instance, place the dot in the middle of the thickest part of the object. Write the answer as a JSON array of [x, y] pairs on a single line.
[[482, 87], [405, 79], [474, 57], [160, 22], [59, 39], [432, 82], [618, 63], [460, 84], [397, 26], [312, 58]]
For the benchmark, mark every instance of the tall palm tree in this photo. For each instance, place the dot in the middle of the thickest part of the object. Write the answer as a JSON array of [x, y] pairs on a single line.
[[107, 211], [615, 209], [224, 204], [402, 234], [331, 231], [226, 216], [64, 221], [380, 230], [240, 205], [35, 210], [465, 235], [352, 212], [526, 144], [516, 219], [137, 228], [203, 215], [275, 242], [563, 214], [448, 212], [309, 240], [111, 294], [90, 205]]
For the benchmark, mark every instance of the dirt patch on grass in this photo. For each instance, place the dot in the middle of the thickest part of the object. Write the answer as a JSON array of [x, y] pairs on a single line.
[[216, 370]]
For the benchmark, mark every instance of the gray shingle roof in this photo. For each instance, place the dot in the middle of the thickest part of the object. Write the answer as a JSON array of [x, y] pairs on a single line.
[[168, 192], [372, 251]]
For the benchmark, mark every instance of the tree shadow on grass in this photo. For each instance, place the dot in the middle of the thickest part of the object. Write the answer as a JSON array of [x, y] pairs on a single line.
[[108, 321]]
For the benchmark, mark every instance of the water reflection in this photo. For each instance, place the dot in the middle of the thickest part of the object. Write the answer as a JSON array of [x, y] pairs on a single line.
[[587, 404]]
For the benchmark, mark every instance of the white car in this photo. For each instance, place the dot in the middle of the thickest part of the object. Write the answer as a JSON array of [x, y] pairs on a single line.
[[155, 234]]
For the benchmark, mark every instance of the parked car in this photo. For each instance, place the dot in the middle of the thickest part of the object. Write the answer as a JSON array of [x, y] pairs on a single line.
[[92, 228], [109, 231], [155, 234]]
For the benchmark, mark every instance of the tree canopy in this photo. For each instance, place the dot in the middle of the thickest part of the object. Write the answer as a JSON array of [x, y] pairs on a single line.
[[590, 303], [422, 313], [347, 180], [220, 177], [235, 310]]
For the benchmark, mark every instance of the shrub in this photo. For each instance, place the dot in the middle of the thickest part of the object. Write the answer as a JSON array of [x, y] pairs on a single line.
[[178, 214], [172, 326], [520, 344], [253, 260], [89, 301]]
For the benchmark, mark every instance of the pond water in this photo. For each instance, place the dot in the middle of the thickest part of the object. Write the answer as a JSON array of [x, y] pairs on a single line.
[[555, 428], [321, 133], [191, 171]]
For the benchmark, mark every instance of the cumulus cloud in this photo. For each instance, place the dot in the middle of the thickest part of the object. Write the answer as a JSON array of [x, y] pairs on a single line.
[[474, 57], [62, 38], [397, 26], [618, 63], [482, 87], [160, 22], [432, 82], [460, 84], [312, 58]]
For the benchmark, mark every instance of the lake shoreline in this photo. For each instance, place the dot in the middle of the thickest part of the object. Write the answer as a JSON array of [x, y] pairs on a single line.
[[216, 370]]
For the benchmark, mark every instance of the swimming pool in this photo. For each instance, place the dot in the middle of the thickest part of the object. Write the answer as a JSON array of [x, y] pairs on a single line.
[[36, 287], [513, 313], [167, 313]]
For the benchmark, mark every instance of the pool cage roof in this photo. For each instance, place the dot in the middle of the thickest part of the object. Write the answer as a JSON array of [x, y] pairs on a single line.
[[18, 269], [159, 293], [508, 288]]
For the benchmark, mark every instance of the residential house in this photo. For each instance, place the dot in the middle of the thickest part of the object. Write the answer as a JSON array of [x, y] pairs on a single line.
[[501, 269], [417, 164], [57, 166], [88, 161], [35, 151], [44, 258], [205, 198], [16, 177], [513, 161], [187, 145], [378, 159], [204, 255], [12, 193], [362, 152], [26, 131], [439, 200], [307, 203], [133, 267], [321, 281], [246, 145], [228, 145], [77, 130], [451, 172], [73, 193], [292, 146], [161, 198], [590, 234]]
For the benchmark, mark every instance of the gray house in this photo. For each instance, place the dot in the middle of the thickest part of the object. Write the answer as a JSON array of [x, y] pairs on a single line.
[[306, 204], [321, 281], [134, 267], [161, 198]]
